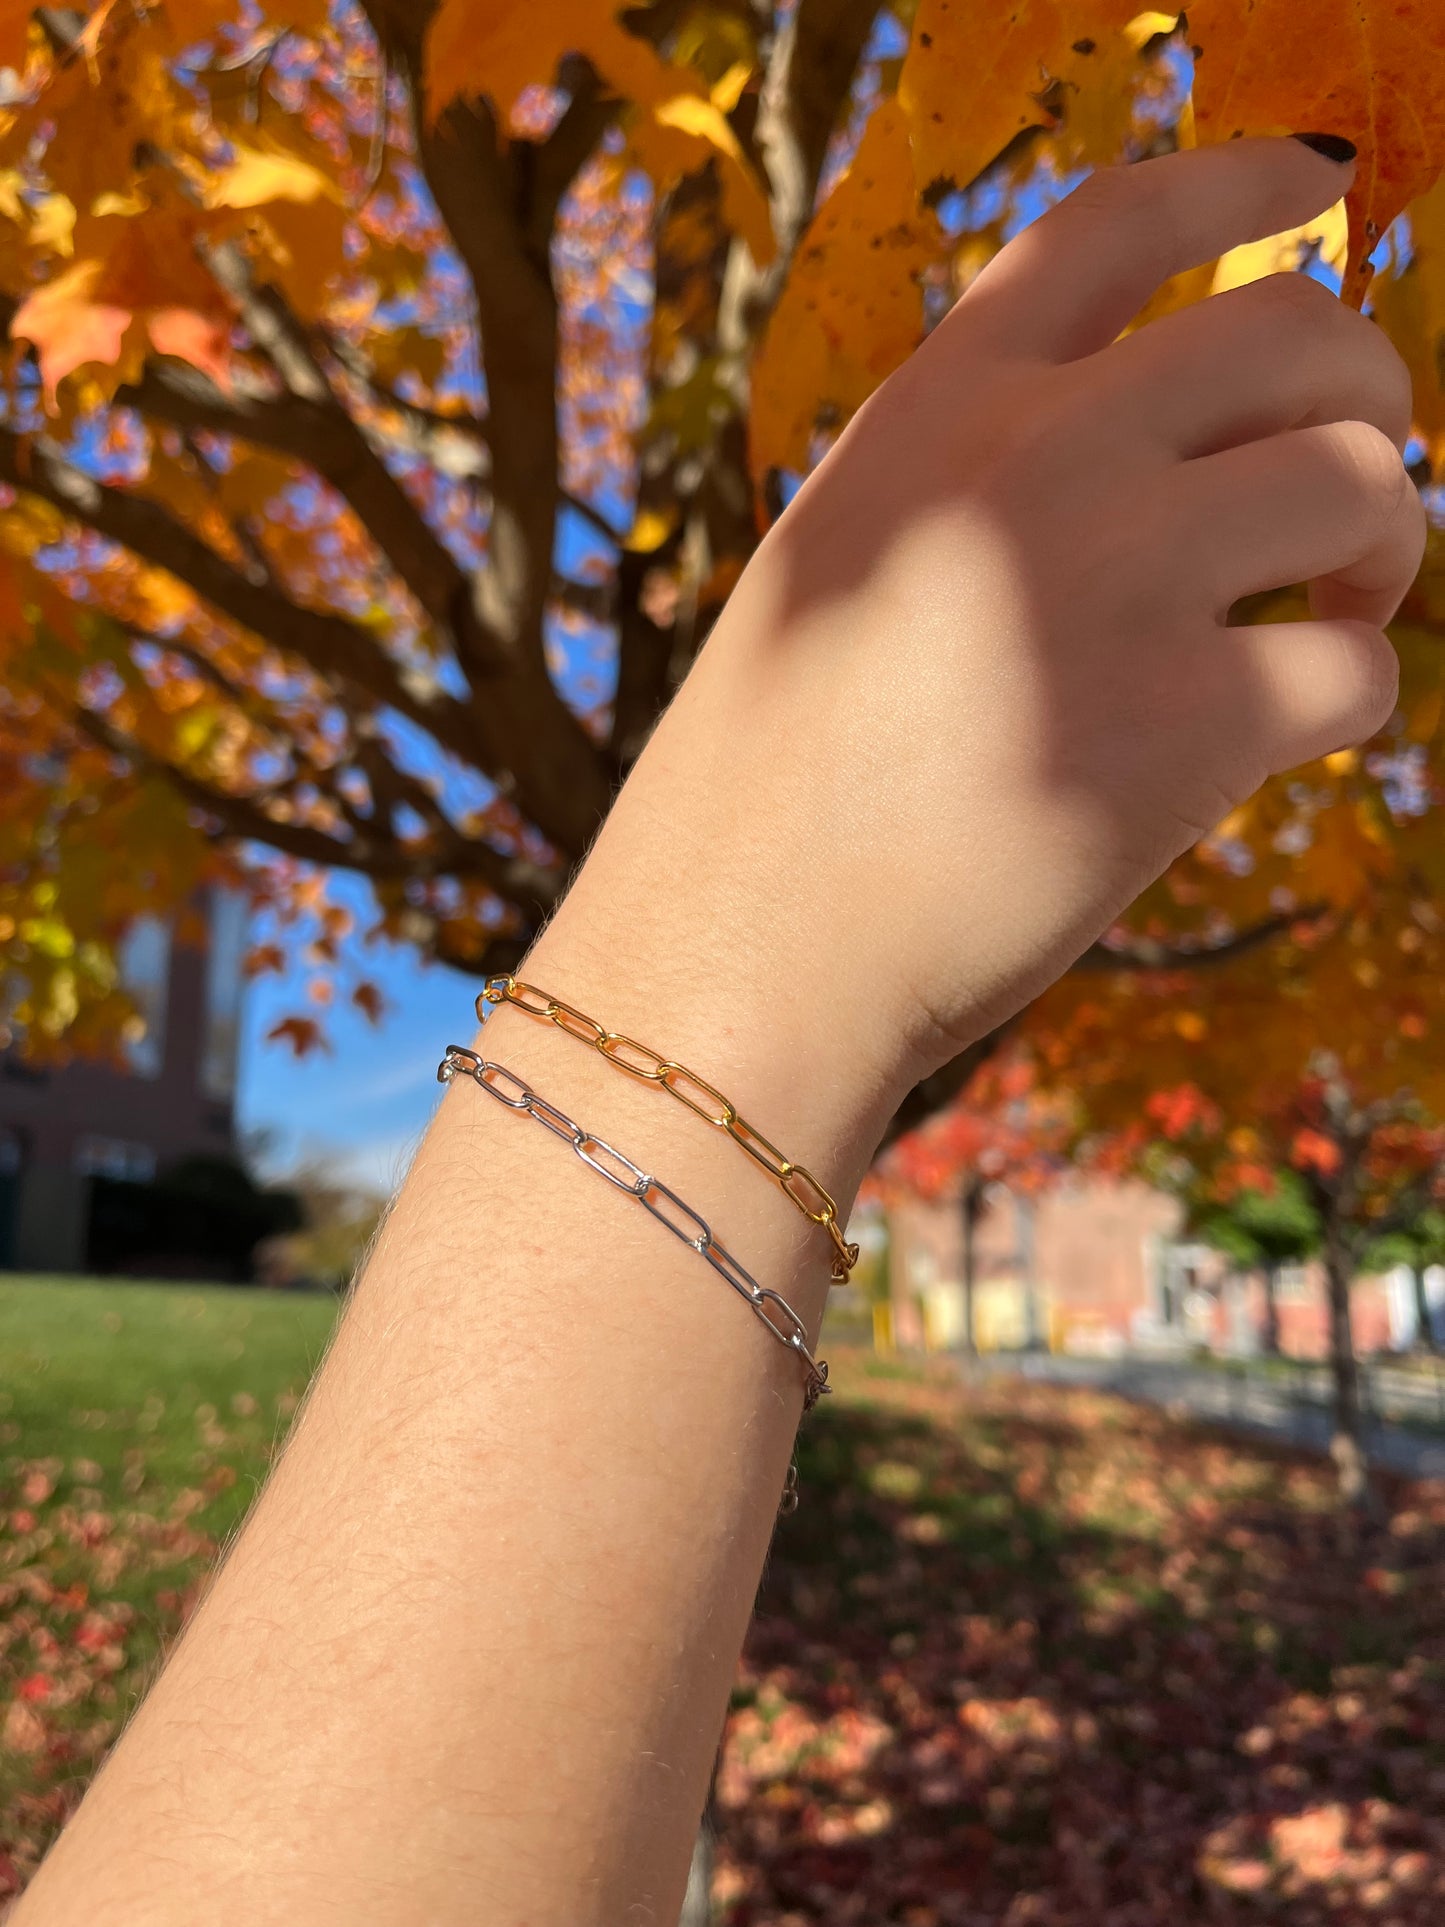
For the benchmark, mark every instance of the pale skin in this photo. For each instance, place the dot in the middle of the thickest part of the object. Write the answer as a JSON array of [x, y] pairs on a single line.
[[469, 1659]]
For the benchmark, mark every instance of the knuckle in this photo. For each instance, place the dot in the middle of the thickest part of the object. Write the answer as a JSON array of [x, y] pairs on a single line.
[[1112, 196], [1369, 464], [1377, 676], [1396, 388], [1297, 297]]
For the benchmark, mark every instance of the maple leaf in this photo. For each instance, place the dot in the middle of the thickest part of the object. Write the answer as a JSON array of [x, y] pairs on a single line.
[[301, 1034], [135, 284], [852, 311], [1368, 69], [971, 82], [369, 1000]]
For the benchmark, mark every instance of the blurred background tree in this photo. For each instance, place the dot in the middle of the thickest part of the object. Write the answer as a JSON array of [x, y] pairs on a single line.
[[1259, 1231], [394, 393]]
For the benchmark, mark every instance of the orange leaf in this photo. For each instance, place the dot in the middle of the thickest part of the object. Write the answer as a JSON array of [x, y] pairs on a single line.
[[69, 328], [367, 997], [1372, 70], [852, 310], [970, 82], [303, 1034], [262, 957]]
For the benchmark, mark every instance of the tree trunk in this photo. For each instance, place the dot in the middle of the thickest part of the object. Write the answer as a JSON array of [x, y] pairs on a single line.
[[1347, 1447], [1424, 1328], [969, 1210], [1269, 1336]]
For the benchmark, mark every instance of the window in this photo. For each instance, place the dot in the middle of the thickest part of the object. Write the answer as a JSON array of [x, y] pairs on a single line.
[[145, 975], [113, 1157], [230, 913], [1292, 1284]]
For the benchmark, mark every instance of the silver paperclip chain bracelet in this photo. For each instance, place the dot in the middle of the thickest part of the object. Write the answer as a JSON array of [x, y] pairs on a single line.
[[664, 1204]]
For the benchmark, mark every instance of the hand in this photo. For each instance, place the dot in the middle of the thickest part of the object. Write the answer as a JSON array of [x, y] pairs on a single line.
[[978, 686]]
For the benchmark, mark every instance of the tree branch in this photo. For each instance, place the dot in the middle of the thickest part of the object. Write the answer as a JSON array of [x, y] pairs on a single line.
[[530, 888], [330, 644], [314, 429], [1149, 953]]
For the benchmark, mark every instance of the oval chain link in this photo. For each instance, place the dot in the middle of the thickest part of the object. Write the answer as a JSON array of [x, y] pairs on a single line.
[[794, 1180], [685, 1224]]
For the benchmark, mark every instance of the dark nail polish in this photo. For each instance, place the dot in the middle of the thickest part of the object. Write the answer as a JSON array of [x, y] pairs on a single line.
[[1334, 147]]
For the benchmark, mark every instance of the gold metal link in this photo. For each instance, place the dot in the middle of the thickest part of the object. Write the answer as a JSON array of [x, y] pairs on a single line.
[[612, 1044], [809, 1196], [576, 1025], [674, 1078], [758, 1147], [671, 1211], [511, 990], [794, 1180]]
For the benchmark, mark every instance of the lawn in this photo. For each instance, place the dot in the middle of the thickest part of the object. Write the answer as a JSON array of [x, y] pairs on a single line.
[[135, 1421], [1024, 1657]]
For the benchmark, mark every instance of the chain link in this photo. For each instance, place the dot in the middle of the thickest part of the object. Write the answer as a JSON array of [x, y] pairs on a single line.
[[661, 1200], [795, 1181]]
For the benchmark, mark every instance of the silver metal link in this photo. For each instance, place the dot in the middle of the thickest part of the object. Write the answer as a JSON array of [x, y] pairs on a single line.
[[636, 1182], [792, 1329], [491, 1077], [742, 1282], [783, 1322], [458, 1058], [557, 1122], [699, 1239]]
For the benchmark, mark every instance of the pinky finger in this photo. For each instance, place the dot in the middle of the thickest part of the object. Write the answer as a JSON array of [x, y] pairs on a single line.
[[1304, 689]]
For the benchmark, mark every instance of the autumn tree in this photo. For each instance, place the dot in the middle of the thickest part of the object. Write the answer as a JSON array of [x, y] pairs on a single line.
[[394, 393], [1307, 1061], [1002, 1133], [1418, 1245], [1259, 1230]]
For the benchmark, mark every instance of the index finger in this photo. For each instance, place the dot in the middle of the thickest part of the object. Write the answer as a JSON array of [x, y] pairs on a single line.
[[1069, 284]]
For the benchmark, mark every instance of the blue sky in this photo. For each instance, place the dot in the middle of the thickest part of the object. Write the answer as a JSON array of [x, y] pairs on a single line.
[[363, 1105]]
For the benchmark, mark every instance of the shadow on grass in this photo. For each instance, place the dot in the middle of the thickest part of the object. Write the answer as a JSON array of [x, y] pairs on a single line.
[[1034, 1656]]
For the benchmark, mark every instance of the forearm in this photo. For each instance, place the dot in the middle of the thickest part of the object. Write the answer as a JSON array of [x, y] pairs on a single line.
[[470, 1657]]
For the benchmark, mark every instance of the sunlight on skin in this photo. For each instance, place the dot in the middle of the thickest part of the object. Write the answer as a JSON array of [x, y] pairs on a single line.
[[478, 1636]]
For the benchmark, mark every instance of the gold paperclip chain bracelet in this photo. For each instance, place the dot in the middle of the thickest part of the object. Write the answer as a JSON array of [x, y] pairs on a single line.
[[794, 1180]]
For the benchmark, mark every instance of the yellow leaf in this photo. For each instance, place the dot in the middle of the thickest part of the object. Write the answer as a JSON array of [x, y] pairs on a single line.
[[681, 134], [651, 529], [1282, 253], [52, 231], [498, 48], [728, 91], [852, 310], [971, 82], [255, 178], [111, 108], [1410, 305]]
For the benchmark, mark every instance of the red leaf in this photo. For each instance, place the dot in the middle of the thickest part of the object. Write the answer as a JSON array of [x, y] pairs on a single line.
[[367, 997], [300, 1033]]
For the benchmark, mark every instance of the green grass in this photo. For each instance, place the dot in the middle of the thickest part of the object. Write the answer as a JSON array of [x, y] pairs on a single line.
[[1008, 1621], [136, 1423]]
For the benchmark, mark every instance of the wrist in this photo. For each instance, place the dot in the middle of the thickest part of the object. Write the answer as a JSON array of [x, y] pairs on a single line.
[[788, 1044]]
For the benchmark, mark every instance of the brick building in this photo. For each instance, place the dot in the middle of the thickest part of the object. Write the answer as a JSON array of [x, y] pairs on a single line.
[[1098, 1267], [60, 1128]]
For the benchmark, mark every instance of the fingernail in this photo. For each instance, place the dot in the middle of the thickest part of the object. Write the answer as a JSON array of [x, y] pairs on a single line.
[[1334, 147]]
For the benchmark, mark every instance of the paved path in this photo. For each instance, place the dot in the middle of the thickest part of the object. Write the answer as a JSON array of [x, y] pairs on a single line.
[[1251, 1401]]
